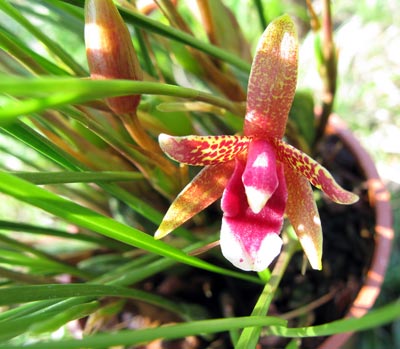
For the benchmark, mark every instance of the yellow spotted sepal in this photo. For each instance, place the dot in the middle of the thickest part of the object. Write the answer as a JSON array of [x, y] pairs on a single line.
[[203, 150], [272, 81], [316, 174], [302, 213], [201, 192]]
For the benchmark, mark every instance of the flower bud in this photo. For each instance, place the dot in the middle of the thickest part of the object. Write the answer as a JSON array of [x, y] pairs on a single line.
[[110, 51]]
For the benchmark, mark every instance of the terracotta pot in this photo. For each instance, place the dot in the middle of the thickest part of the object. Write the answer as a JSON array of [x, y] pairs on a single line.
[[380, 200]]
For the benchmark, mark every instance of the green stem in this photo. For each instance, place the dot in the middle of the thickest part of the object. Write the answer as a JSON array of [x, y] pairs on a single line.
[[250, 335], [260, 12], [329, 69]]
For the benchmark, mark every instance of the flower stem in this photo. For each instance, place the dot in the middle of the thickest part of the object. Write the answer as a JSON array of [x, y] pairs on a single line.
[[139, 135], [260, 12], [329, 75], [250, 335]]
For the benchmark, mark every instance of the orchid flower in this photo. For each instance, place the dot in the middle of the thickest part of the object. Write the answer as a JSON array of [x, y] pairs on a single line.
[[259, 176]]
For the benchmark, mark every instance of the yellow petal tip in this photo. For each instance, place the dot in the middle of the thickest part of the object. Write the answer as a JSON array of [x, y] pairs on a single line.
[[345, 197], [354, 198], [317, 265], [312, 247], [160, 233]]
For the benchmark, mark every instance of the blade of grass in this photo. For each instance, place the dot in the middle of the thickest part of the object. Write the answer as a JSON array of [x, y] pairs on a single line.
[[166, 332], [260, 13], [39, 264], [78, 177], [48, 260], [12, 328], [25, 294], [36, 141], [37, 63], [34, 229], [75, 91], [23, 278], [65, 10], [54, 322], [21, 155]]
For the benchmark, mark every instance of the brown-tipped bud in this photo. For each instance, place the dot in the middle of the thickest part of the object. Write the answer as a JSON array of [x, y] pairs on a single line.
[[109, 50]]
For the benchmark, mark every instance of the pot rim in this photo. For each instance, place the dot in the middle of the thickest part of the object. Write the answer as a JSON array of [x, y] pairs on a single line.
[[380, 200]]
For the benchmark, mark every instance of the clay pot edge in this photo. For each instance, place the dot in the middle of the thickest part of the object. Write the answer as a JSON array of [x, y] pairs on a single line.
[[380, 200]]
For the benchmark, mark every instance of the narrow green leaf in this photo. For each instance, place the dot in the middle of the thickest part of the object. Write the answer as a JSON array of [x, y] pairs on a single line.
[[78, 177], [54, 322], [25, 294], [30, 58], [23, 278], [36, 141], [35, 258], [75, 91], [35, 229], [260, 13], [18, 312], [135, 337], [12, 328], [66, 9], [39, 263]]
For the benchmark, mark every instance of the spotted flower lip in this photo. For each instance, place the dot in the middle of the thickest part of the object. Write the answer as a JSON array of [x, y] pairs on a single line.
[[259, 176]]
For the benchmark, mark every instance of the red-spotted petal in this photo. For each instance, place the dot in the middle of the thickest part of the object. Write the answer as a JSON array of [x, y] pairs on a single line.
[[251, 241], [303, 215], [201, 192], [259, 177], [272, 81], [202, 150], [318, 175]]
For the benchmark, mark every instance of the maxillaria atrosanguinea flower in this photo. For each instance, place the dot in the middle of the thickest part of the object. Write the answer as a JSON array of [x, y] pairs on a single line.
[[260, 177]]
